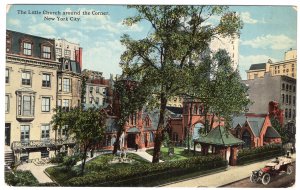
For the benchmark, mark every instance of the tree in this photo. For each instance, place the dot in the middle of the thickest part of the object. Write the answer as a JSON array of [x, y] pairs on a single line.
[[86, 126], [131, 95], [160, 60]]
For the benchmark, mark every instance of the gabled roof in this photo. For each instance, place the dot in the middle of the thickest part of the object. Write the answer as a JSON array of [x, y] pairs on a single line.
[[175, 110], [258, 66], [255, 123], [272, 133], [220, 136]]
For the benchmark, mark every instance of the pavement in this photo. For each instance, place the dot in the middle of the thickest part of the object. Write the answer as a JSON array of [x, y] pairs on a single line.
[[231, 174], [142, 153], [37, 171]]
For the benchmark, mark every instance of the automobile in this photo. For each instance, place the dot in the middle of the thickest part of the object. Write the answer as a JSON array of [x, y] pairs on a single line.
[[276, 167]]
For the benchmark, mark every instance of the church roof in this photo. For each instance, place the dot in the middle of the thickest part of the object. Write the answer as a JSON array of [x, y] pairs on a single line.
[[272, 133], [219, 136], [255, 123]]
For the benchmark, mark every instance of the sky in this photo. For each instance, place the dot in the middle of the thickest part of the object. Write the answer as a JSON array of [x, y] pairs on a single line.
[[268, 32]]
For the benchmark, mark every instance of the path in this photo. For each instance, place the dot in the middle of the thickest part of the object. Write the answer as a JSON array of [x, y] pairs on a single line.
[[37, 171], [142, 153]]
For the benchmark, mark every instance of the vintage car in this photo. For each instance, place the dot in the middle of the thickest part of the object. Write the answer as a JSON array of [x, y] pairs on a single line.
[[276, 167]]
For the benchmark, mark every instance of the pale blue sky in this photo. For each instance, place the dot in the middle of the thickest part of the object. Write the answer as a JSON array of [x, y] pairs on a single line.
[[268, 32]]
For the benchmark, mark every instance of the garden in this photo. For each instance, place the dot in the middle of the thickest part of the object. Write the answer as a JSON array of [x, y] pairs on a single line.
[[174, 153], [103, 171]]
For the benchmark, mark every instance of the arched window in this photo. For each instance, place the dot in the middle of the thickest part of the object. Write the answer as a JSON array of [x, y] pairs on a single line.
[[246, 137], [195, 109], [151, 137], [282, 98]]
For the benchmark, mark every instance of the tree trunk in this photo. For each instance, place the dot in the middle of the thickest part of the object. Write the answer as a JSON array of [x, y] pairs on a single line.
[[212, 121], [84, 160], [160, 127], [189, 127], [117, 143]]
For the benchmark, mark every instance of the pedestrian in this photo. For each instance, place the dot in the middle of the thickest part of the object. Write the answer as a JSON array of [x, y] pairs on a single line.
[[292, 150], [136, 147]]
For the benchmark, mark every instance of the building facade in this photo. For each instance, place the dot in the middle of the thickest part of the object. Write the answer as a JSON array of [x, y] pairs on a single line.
[[281, 89], [30, 94], [287, 67], [97, 89]]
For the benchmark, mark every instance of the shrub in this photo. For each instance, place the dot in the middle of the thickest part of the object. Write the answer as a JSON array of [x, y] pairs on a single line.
[[20, 178], [59, 158], [194, 163], [70, 161], [259, 153]]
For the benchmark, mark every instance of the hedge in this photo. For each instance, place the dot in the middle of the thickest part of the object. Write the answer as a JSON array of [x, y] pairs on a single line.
[[20, 178], [131, 174], [259, 153]]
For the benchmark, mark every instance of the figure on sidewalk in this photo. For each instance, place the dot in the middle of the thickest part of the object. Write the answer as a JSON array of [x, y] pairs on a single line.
[[136, 147]]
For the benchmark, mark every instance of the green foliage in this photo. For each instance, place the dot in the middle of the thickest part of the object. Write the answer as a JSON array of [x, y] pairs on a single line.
[[20, 178], [70, 161], [259, 153], [59, 158], [160, 62], [98, 178], [166, 141], [285, 132]]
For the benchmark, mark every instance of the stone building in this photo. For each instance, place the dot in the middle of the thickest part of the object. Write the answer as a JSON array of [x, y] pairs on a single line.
[[287, 67], [97, 88], [30, 95], [281, 89]]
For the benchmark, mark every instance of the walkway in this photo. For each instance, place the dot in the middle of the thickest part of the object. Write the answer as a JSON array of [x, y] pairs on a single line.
[[233, 173], [37, 171], [142, 153]]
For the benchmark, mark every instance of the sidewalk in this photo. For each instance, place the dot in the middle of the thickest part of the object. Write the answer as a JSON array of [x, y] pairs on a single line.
[[231, 174], [37, 171], [142, 153]]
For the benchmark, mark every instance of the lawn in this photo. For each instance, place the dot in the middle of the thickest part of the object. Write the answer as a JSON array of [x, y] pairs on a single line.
[[179, 154], [99, 164]]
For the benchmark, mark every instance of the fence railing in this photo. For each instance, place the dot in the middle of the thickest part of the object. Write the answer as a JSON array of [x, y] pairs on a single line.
[[40, 143]]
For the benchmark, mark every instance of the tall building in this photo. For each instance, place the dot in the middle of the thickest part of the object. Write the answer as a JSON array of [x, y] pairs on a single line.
[[69, 75], [30, 94], [96, 89], [281, 89], [287, 67]]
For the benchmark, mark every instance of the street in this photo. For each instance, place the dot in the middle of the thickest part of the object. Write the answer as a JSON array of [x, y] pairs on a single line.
[[282, 180]]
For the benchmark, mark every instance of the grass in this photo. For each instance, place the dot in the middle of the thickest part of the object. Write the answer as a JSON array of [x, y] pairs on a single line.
[[100, 163], [20, 178], [179, 154]]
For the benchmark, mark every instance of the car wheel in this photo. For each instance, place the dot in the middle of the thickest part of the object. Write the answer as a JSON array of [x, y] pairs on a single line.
[[289, 170], [266, 179], [253, 178]]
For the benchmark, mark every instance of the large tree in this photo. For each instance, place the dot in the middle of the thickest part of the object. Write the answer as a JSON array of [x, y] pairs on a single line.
[[86, 126], [177, 34]]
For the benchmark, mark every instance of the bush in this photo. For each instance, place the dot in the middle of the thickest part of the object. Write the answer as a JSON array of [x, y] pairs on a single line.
[[59, 158], [20, 178], [70, 161], [259, 153], [196, 163]]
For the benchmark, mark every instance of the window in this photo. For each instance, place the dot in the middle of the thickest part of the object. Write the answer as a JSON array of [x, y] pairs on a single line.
[[103, 91], [294, 100], [45, 132], [282, 98], [294, 113], [66, 64], [26, 105], [290, 113], [283, 86], [58, 52], [8, 43], [287, 99], [294, 88], [27, 48], [46, 80], [91, 100], [97, 89], [44, 154], [6, 75], [45, 104], [67, 53], [287, 87], [26, 78], [290, 99], [46, 52], [59, 84], [6, 103], [195, 110], [66, 104], [66, 85], [59, 103], [97, 100], [286, 113], [25, 133], [91, 89], [62, 131]]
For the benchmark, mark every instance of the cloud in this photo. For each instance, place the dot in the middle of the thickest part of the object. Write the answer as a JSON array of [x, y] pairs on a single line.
[[42, 29], [275, 42], [246, 17], [246, 61], [14, 22], [104, 56]]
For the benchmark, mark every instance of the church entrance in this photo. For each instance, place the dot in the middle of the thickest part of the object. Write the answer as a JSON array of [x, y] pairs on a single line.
[[131, 140]]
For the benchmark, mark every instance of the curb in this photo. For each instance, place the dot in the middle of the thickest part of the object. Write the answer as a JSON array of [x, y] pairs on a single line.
[[209, 172], [53, 181], [233, 182]]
